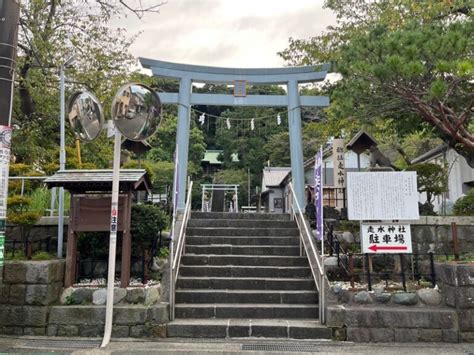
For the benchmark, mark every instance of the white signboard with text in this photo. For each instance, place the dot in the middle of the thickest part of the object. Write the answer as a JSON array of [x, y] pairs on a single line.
[[382, 196], [385, 238]]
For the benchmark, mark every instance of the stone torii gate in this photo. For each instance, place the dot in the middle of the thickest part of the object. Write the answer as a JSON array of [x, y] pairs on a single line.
[[185, 98]]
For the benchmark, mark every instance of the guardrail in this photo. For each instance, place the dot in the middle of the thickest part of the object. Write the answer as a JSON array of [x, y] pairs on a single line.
[[316, 261], [176, 253]]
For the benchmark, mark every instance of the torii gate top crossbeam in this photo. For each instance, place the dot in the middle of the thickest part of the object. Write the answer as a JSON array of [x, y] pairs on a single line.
[[205, 74]]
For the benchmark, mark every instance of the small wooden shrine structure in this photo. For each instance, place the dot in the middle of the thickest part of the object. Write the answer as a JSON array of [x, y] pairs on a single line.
[[90, 210]]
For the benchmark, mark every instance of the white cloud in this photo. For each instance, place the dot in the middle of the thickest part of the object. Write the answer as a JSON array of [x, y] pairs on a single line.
[[243, 33]]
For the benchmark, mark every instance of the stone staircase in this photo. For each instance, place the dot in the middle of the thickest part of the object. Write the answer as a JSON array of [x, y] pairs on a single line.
[[241, 276]]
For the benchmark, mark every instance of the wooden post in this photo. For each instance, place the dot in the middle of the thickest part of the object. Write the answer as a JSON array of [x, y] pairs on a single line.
[[71, 249], [126, 243], [71, 256]]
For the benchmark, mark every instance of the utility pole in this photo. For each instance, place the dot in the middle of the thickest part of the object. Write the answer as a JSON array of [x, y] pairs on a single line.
[[9, 16]]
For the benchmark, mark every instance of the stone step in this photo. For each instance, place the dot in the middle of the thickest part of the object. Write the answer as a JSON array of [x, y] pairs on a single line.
[[254, 283], [245, 296], [227, 215], [245, 260], [226, 249], [264, 232], [243, 271], [249, 311], [241, 240], [243, 328], [241, 223]]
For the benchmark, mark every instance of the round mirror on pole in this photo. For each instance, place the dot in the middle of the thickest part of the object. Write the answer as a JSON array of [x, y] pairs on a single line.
[[136, 111], [85, 115]]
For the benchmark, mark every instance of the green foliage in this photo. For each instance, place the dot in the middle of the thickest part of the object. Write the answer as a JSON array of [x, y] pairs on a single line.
[[431, 179], [464, 206], [42, 255], [407, 61], [163, 253], [93, 245], [147, 221]]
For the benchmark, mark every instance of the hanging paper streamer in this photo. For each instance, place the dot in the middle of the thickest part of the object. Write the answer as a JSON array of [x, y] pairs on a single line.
[[202, 119], [278, 119], [227, 121], [252, 124]]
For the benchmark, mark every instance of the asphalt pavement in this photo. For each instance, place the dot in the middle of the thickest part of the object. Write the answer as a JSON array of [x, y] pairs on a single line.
[[47, 345]]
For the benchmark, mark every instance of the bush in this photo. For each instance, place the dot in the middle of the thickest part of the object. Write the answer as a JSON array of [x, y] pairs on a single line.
[[464, 206], [147, 222]]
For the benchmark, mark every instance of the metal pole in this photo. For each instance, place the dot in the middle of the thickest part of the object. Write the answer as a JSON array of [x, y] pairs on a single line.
[[248, 187], [113, 240], [62, 161], [9, 16]]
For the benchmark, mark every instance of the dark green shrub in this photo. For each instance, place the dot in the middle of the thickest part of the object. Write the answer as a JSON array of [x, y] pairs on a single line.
[[147, 222], [464, 206]]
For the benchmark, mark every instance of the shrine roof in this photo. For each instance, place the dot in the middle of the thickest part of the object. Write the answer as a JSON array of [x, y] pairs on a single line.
[[99, 180]]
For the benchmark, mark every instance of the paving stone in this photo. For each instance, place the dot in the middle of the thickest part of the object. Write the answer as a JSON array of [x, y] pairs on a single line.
[[82, 295], [4, 293], [429, 296], [405, 298], [152, 295], [51, 330], [362, 297], [383, 297], [68, 330], [404, 335], [335, 316], [42, 295], [120, 331], [362, 317], [465, 297], [84, 315], [99, 297], [140, 331], [17, 294], [136, 295], [381, 335], [119, 294], [466, 320], [91, 331], [34, 331], [159, 313], [466, 337], [450, 335], [136, 314], [358, 335], [33, 316], [159, 331], [430, 335], [14, 272]]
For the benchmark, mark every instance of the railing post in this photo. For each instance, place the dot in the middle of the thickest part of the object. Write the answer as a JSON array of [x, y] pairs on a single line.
[[454, 233], [351, 269], [433, 273], [402, 272], [369, 281]]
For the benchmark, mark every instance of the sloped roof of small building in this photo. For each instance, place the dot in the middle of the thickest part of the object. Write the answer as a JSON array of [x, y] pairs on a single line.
[[99, 180], [274, 176], [212, 157]]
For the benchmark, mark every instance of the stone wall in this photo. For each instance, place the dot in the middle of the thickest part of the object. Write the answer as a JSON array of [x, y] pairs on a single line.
[[423, 316], [28, 290], [128, 321], [433, 233], [30, 298], [457, 283]]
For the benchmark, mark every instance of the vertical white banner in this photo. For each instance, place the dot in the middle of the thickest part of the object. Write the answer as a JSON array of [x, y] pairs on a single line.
[[339, 163]]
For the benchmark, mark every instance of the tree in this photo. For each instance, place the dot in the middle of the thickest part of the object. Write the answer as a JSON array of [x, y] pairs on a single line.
[[431, 179], [408, 61], [49, 33]]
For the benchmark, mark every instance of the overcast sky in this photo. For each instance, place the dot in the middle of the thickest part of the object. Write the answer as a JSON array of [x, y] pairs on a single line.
[[226, 33]]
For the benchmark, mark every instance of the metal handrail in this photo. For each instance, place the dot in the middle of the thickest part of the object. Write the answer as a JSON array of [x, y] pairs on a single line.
[[319, 275], [176, 256]]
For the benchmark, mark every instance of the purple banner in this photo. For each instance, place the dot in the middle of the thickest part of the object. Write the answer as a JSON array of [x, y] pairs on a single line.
[[318, 193]]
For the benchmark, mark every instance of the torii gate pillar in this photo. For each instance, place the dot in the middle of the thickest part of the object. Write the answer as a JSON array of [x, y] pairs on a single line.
[[187, 74]]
